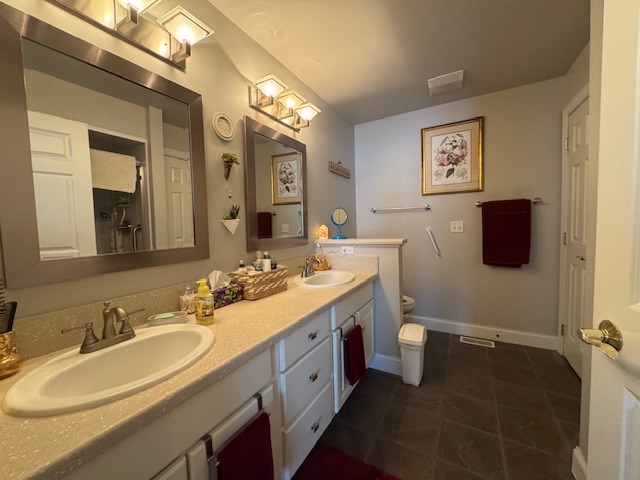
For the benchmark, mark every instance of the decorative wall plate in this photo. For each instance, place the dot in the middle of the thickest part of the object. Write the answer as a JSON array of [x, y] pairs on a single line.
[[223, 126]]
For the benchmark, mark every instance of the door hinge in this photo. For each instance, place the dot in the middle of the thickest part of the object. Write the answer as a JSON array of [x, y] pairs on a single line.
[[564, 238], [566, 143], [562, 329]]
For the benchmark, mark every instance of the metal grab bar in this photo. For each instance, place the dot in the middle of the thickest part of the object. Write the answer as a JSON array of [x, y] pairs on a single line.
[[534, 200], [399, 209]]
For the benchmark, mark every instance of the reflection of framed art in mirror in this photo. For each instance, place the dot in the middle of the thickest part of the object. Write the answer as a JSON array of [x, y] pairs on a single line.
[[285, 178]]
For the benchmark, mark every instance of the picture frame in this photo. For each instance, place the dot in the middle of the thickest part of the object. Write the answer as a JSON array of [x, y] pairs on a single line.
[[286, 176], [452, 157]]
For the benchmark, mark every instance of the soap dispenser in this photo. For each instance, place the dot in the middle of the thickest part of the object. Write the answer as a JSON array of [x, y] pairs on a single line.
[[204, 303]]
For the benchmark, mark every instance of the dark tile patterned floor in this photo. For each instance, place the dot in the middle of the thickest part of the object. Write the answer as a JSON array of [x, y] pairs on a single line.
[[509, 413]]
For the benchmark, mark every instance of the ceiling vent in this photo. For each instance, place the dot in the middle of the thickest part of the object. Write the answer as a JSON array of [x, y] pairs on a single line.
[[446, 82]]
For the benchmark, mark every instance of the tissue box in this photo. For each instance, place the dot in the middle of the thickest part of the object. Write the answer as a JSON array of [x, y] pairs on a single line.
[[262, 284], [226, 295]]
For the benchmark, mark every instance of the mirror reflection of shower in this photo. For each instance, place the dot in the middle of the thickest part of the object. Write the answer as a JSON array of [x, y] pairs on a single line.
[[121, 221]]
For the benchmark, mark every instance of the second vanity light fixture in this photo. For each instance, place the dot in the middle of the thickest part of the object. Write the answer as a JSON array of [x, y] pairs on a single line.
[[271, 96], [169, 38]]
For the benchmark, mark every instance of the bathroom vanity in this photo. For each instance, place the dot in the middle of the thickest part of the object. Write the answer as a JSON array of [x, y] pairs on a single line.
[[278, 346]]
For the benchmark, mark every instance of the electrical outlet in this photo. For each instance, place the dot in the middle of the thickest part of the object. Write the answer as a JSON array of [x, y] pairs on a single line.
[[347, 250], [285, 228], [457, 226]]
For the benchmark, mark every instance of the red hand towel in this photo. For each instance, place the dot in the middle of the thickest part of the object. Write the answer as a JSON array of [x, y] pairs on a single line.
[[354, 367], [264, 225], [248, 454], [506, 232]]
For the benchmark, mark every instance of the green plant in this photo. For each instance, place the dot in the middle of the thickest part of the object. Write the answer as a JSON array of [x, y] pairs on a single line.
[[230, 158], [232, 212]]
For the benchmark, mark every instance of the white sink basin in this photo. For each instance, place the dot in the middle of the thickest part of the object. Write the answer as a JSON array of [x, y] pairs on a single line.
[[325, 279], [74, 381]]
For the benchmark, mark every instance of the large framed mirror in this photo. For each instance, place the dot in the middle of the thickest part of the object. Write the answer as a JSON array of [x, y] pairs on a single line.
[[101, 161], [275, 187]]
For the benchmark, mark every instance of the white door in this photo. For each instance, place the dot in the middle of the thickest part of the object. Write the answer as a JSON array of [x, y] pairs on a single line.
[[179, 202], [614, 413], [62, 181], [574, 237], [364, 318]]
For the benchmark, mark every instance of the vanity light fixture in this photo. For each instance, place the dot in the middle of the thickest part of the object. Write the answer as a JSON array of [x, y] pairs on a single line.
[[271, 96], [169, 38], [139, 5]]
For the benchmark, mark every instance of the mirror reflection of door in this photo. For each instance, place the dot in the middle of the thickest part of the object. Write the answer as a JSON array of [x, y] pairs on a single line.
[[111, 160], [277, 217]]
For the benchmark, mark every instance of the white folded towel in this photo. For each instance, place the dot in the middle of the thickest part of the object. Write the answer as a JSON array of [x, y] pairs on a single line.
[[113, 171]]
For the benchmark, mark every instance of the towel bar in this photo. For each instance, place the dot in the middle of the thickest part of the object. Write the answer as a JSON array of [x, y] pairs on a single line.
[[534, 200], [399, 209]]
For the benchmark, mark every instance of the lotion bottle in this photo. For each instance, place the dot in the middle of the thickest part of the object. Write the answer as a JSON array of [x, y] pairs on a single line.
[[204, 303]]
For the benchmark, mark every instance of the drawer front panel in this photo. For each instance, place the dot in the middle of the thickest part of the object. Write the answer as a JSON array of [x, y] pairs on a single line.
[[302, 340], [347, 307], [303, 434], [302, 382]]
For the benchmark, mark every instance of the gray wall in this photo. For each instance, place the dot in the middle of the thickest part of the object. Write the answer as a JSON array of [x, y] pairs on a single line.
[[220, 69], [522, 138]]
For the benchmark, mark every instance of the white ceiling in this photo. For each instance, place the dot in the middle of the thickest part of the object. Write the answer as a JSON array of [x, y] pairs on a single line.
[[371, 59]]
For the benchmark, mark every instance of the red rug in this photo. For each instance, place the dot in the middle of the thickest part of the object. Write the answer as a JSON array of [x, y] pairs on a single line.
[[328, 463]]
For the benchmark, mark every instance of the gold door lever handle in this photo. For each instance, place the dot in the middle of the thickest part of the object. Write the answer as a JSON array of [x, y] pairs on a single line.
[[607, 338]]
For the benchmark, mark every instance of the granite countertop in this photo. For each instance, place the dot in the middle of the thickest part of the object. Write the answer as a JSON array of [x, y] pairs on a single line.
[[50, 447]]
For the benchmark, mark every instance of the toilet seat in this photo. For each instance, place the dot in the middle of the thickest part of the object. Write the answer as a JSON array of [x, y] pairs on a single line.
[[408, 303]]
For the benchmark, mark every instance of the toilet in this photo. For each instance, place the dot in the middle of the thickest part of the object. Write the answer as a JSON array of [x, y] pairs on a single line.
[[408, 304]]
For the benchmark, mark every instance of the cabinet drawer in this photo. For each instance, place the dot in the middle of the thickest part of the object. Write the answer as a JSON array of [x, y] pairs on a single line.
[[303, 434], [302, 382], [302, 340], [347, 307]]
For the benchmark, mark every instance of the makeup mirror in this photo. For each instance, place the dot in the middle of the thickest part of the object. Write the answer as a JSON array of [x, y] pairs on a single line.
[[339, 217]]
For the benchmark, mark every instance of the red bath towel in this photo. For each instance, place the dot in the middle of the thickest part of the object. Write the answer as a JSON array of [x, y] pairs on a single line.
[[506, 232], [354, 366], [248, 454]]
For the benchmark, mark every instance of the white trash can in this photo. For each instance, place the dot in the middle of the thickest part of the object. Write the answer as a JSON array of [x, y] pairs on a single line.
[[412, 338]]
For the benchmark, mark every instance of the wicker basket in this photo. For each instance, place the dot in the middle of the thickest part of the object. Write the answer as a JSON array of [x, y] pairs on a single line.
[[263, 284]]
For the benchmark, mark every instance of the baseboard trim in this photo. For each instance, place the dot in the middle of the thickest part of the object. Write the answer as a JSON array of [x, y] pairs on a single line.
[[386, 363], [578, 464], [518, 337]]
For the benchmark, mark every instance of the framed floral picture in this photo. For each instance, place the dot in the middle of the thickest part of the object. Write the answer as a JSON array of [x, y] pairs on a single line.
[[452, 157], [286, 177]]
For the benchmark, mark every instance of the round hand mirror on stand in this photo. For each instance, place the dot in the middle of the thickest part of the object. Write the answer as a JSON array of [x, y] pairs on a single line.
[[339, 218]]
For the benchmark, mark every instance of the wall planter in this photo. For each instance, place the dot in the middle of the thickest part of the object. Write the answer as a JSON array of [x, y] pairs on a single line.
[[231, 225]]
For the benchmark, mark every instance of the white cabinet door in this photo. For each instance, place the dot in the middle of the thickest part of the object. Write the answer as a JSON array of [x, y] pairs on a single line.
[[176, 471], [63, 189], [364, 318]]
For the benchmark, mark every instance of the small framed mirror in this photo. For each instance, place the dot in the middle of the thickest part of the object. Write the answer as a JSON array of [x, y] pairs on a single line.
[[339, 217], [275, 186]]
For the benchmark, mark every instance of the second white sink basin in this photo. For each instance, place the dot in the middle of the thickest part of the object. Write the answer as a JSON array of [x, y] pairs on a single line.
[[74, 381], [325, 279]]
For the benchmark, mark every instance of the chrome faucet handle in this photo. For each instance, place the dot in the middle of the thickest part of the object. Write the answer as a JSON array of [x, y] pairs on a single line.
[[89, 337]]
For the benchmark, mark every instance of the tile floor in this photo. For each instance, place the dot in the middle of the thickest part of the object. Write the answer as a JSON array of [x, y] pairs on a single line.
[[509, 413]]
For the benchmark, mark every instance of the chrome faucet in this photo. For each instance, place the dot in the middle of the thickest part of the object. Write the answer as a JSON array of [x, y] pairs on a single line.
[[307, 269], [110, 316]]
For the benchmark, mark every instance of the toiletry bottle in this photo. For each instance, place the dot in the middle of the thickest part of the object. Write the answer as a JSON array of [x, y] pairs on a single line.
[[187, 297], [258, 262], [266, 262], [204, 303]]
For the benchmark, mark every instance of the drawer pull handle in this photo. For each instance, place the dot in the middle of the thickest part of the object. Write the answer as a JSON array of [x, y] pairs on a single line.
[[313, 377], [313, 335], [315, 427]]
